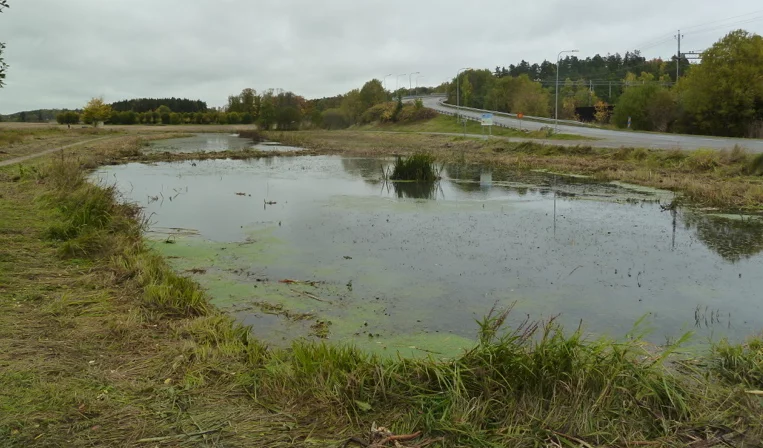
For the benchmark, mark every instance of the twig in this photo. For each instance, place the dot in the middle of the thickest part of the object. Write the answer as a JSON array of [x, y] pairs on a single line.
[[178, 436], [400, 438], [307, 294]]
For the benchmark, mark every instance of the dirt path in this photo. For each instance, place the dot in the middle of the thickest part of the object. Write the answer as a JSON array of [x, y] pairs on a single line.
[[47, 151]]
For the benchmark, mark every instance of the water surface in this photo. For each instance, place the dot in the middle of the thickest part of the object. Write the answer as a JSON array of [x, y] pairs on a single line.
[[409, 267]]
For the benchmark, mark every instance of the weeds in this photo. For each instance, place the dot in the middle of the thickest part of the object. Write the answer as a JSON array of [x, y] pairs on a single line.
[[739, 363], [417, 167], [755, 166]]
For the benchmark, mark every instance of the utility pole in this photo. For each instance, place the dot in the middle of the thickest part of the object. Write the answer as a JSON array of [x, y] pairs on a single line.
[[556, 97], [678, 55]]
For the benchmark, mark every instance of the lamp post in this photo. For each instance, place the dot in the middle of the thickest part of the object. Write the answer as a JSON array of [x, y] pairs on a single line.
[[458, 95], [397, 81], [384, 83], [416, 93], [458, 89], [556, 108], [410, 84]]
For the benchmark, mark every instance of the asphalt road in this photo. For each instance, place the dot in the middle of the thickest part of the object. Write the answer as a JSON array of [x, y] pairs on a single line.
[[615, 139]]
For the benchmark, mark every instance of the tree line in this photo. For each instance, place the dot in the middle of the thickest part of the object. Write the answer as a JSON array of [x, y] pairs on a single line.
[[722, 95], [141, 105]]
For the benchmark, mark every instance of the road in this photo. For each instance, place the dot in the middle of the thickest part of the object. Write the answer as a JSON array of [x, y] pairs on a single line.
[[614, 139]]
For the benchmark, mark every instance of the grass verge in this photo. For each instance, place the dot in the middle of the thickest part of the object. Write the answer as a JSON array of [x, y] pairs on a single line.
[[447, 124], [101, 344]]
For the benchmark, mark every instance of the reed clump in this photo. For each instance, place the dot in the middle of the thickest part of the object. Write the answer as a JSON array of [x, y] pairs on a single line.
[[419, 167]]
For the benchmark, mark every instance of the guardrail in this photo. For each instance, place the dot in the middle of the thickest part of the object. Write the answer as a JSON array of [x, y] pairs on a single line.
[[506, 114]]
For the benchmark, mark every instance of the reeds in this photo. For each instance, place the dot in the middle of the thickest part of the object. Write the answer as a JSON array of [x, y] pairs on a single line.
[[419, 166]]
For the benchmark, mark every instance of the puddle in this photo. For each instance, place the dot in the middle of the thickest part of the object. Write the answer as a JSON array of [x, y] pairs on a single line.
[[408, 268], [210, 142]]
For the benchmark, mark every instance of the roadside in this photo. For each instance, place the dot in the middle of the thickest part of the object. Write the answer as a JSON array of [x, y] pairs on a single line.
[[619, 138], [443, 124]]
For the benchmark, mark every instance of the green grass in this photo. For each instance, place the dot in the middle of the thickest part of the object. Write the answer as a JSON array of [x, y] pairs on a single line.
[[416, 167], [448, 124]]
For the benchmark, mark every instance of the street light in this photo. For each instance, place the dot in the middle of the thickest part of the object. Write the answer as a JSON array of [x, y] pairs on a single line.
[[410, 84], [397, 81], [458, 95], [384, 83], [416, 93], [556, 108]]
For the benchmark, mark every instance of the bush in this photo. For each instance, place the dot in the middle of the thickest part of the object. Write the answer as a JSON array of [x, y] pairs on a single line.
[[334, 119], [379, 113]]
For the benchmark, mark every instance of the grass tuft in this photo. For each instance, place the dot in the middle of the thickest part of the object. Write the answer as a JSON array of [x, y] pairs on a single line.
[[419, 166]]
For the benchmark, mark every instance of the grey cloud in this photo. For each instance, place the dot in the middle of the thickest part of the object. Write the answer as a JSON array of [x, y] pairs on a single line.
[[64, 52]]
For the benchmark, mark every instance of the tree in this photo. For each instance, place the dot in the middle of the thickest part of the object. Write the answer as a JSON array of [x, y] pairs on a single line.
[[602, 112], [68, 118], [372, 94], [96, 111], [648, 104], [164, 114], [334, 119], [466, 91], [3, 65], [267, 113], [724, 94]]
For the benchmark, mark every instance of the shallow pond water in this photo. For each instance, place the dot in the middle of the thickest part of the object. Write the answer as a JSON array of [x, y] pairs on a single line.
[[211, 142], [322, 247]]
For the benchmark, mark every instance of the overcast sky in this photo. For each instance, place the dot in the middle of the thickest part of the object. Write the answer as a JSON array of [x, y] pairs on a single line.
[[63, 52]]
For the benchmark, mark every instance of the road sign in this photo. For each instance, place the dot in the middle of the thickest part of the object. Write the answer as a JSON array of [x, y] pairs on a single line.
[[520, 115], [487, 119]]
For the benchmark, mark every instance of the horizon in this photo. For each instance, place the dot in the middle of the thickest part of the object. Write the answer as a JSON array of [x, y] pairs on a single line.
[[60, 55]]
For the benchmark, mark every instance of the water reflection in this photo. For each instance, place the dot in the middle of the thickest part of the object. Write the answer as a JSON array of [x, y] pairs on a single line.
[[416, 190], [733, 238]]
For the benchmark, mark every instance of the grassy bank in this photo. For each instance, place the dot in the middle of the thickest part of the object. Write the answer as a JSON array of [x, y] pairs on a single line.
[[447, 124], [730, 179], [101, 344]]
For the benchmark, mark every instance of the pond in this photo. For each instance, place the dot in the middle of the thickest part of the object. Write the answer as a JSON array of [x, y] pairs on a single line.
[[322, 247], [210, 142]]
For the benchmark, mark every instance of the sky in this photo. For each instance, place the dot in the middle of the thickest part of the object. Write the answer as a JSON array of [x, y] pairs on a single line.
[[63, 52]]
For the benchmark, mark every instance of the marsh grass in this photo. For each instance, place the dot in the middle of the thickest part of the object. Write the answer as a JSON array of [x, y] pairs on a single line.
[[418, 167]]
